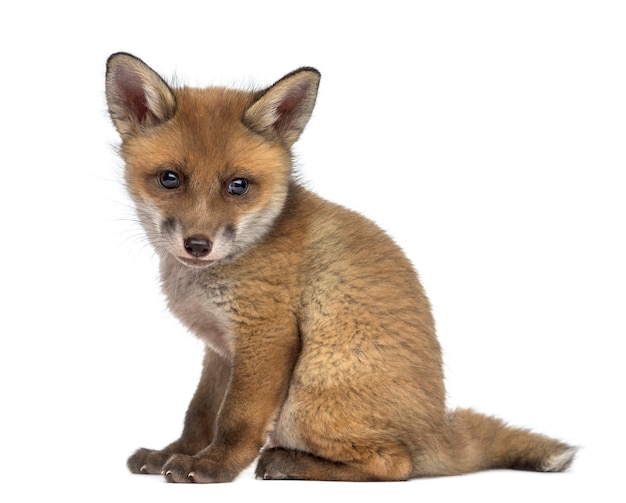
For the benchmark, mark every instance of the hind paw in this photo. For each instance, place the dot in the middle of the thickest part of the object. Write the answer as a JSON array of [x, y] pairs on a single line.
[[273, 465]]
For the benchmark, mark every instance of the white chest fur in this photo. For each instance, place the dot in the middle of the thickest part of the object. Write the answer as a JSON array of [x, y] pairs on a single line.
[[198, 299]]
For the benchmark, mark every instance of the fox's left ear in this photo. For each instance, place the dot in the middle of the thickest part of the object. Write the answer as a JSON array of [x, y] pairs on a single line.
[[283, 110]]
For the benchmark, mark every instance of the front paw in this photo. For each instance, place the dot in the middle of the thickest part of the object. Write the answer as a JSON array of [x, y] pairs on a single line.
[[148, 461], [186, 469]]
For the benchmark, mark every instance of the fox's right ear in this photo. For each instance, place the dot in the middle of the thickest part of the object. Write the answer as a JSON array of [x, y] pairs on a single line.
[[137, 96]]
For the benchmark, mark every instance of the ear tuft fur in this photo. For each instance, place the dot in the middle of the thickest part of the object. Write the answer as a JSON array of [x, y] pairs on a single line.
[[284, 109], [137, 96]]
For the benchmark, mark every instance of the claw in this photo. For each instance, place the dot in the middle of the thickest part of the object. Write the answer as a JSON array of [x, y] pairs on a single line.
[[191, 476], [143, 469]]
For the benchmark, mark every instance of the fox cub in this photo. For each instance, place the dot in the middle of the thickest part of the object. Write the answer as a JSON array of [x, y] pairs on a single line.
[[321, 357]]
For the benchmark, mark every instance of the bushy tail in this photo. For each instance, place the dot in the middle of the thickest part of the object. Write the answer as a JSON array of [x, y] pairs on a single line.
[[478, 442]]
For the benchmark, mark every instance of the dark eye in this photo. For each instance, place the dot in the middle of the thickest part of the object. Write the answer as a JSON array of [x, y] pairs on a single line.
[[238, 187], [169, 179]]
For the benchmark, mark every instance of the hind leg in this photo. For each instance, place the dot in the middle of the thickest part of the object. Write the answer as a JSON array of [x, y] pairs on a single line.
[[279, 463]]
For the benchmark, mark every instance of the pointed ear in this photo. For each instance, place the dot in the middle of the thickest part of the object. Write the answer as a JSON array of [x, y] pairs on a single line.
[[137, 96], [283, 110]]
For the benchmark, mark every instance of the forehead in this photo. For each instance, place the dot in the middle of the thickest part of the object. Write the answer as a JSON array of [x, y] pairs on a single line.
[[210, 110], [206, 123], [206, 132]]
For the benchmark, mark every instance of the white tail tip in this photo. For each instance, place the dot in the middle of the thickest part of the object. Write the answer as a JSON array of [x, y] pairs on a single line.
[[559, 462]]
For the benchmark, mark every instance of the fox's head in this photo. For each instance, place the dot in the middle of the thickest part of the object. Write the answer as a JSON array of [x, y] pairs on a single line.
[[208, 169]]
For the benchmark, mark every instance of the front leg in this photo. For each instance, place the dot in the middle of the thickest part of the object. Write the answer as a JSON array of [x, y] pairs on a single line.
[[199, 428], [262, 367]]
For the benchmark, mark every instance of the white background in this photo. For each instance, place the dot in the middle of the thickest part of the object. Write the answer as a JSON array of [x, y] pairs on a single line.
[[486, 137]]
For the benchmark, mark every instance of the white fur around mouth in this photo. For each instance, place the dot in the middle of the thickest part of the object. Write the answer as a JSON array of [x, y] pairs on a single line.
[[194, 262]]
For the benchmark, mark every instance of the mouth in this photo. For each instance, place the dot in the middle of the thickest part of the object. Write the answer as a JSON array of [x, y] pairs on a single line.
[[194, 263]]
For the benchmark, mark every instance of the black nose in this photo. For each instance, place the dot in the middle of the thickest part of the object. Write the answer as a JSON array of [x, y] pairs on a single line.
[[197, 246]]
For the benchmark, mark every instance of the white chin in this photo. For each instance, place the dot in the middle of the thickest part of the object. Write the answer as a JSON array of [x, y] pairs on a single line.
[[194, 263]]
